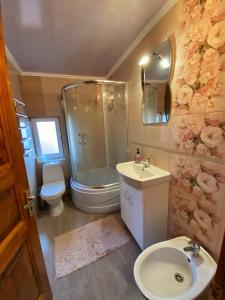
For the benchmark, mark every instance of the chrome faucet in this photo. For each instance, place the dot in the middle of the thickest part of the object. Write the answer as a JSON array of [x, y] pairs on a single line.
[[146, 163], [193, 247]]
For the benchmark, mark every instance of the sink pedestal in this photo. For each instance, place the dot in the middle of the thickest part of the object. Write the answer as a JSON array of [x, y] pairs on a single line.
[[144, 209]]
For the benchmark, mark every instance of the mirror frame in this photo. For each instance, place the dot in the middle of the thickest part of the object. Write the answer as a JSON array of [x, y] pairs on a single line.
[[171, 41]]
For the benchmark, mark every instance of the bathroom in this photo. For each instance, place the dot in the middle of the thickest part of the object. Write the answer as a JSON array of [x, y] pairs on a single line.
[[81, 82]]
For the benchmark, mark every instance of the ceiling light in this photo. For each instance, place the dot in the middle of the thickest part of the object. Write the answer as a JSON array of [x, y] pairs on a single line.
[[165, 63], [144, 60]]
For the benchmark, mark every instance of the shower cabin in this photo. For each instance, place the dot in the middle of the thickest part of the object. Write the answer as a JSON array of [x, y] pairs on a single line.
[[96, 120]]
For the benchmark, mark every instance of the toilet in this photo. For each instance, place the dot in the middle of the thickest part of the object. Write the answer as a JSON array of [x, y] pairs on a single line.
[[53, 187]]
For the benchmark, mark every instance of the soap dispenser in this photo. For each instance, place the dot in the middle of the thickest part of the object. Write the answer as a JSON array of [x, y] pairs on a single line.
[[137, 156]]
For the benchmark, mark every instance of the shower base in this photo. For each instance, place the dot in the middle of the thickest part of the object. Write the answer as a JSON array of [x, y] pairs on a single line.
[[96, 200]]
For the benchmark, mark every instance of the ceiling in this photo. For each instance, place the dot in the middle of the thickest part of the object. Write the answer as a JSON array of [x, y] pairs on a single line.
[[78, 37]]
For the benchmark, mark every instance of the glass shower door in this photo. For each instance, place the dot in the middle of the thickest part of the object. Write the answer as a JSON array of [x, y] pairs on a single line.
[[96, 117], [75, 134], [92, 132], [115, 119]]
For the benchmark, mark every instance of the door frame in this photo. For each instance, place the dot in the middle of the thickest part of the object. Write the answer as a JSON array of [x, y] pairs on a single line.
[[220, 273]]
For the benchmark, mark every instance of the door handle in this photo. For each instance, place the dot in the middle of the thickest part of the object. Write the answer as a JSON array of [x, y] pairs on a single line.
[[29, 205], [29, 197]]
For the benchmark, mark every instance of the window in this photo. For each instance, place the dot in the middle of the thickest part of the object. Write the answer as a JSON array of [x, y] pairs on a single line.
[[47, 137]]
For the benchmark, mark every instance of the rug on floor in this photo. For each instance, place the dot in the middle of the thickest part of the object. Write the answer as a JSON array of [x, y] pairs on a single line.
[[79, 247]]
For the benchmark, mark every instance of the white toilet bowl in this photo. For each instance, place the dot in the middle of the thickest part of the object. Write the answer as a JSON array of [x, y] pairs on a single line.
[[53, 187]]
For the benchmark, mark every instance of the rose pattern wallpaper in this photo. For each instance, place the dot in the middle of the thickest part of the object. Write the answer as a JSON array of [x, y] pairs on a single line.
[[197, 191], [202, 135], [199, 83]]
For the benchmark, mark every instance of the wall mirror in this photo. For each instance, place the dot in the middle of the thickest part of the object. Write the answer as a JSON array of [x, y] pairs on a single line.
[[155, 75]]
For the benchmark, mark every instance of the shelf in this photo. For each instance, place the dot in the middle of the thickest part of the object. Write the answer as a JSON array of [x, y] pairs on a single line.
[[21, 115], [25, 139], [18, 101], [26, 152], [27, 149], [22, 128]]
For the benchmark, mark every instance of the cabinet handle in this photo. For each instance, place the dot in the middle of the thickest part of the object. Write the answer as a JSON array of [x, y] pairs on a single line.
[[84, 138], [126, 195], [131, 200], [79, 139]]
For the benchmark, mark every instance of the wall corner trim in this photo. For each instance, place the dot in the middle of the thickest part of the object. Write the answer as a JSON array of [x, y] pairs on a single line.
[[12, 60], [66, 76], [153, 21]]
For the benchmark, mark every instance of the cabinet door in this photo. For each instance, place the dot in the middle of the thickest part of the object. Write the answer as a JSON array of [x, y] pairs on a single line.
[[132, 211], [136, 214], [124, 202]]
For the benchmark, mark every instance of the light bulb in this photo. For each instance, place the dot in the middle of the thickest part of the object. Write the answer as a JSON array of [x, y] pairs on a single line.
[[165, 63], [144, 60]]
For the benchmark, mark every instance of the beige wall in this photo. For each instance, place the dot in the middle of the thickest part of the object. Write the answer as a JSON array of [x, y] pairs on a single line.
[[42, 96], [150, 139], [151, 136], [14, 78], [192, 144]]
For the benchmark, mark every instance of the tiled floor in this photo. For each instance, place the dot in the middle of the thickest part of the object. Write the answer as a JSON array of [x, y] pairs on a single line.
[[109, 278]]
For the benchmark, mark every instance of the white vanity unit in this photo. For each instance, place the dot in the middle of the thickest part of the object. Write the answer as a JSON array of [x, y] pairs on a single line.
[[144, 197]]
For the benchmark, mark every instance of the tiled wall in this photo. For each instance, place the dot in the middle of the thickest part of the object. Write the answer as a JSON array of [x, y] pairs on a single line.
[[30, 161], [192, 145], [14, 79], [42, 98]]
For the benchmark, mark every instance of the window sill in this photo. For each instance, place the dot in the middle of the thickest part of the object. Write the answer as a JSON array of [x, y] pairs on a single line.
[[43, 160]]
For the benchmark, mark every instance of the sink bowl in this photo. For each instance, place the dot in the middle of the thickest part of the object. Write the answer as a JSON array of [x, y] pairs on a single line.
[[144, 176], [166, 271]]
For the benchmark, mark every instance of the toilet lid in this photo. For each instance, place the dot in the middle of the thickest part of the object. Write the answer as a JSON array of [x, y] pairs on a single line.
[[52, 189]]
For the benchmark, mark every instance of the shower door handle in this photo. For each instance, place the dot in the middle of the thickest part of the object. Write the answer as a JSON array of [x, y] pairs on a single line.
[[79, 139], [84, 138]]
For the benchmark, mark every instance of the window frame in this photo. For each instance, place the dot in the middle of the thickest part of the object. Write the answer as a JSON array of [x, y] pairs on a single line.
[[37, 143]]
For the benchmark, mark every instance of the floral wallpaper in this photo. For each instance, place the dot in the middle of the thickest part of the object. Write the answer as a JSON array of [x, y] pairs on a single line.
[[199, 83], [200, 134], [197, 194]]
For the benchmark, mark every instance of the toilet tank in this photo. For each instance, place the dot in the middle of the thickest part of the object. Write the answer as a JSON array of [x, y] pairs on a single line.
[[52, 172]]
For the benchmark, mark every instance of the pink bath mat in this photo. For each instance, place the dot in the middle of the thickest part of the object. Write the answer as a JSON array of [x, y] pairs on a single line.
[[79, 247]]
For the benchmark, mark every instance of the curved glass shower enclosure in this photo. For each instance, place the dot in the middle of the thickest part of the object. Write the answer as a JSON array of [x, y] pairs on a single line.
[[96, 119]]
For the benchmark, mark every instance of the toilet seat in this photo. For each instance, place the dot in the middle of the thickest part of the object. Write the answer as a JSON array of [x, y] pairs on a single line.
[[52, 190]]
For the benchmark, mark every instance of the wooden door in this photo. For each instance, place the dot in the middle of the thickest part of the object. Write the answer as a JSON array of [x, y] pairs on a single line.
[[220, 274], [22, 270]]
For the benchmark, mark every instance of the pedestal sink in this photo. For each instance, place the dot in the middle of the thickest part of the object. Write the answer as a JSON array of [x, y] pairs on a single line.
[[165, 271]]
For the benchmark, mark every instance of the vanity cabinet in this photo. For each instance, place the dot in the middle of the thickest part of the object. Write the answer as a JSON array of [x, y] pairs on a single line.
[[144, 211], [132, 210]]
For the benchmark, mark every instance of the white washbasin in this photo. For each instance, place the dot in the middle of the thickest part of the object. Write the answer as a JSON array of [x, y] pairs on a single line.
[[144, 176], [165, 271]]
